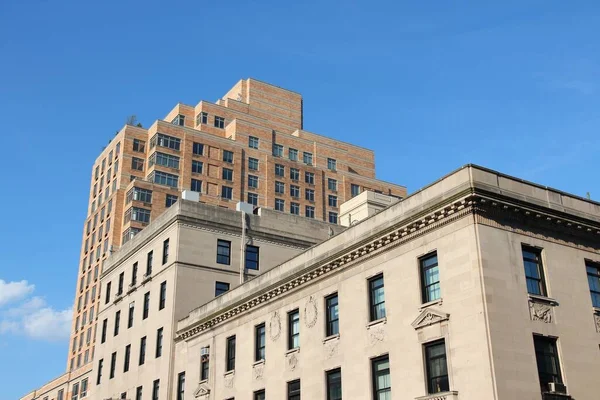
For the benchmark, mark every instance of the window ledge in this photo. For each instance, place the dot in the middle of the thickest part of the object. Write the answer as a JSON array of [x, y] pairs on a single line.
[[203, 381], [131, 289], [331, 338], [229, 373], [292, 351], [596, 310], [437, 302], [259, 362], [377, 322], [118, 298], [146, 278], [451, 395], [542, 299]]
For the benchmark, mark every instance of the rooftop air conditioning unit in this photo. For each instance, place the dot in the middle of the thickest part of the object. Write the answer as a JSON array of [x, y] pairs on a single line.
[[556, 387], [205, 351]]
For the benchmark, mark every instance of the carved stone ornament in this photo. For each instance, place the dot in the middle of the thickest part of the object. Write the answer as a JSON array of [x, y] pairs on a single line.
[[331, 348], [377, 334], [429, 316], [540, 311], [310, 312], [275, 326], [258, 371], [202, 392], [229, 380], [597, 320], [292, 361]]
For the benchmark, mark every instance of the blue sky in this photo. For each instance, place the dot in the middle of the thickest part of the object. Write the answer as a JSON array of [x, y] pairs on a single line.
[[430, 86]]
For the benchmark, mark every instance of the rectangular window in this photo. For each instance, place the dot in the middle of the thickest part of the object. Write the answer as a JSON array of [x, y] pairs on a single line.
[[593, 275], [252, 257], [293, 154], [137, 214], [293, 329], [226, 192], [146, 305], [437, 367], [253, 142], [279, 205], [295, 191], [197, 166], [162, 140], [163, 178], [220, 288], [99, 376], [181, 386], [163, 295], [142, 358], [277, 150], [104, 327], [159, 342], [139, 145], [61, 395], [259, 395], [117, 322], [548, 365], [376, 298], [534, 270], [309, 194], [228, 156], [230, 353], [307, 158], [113, 365], [219, 122], [223, 252], [309, 212], [179, 120], [170, 200], [253, 181], [332, 317], [309, 178], [331, 164], [279, 187], [107, 297], [202, 118], [75, 391], [137, 164], [134, 274], [138, 393], [294, 174], [127, 357], [334, 384], [121, 283], [259, 343], [155, 389], [295, 208], [382, 385], [253, 199], [332, 200], [198, 149], [138, 194], [131, 314], [293, 390], [253, 164], [279, 170], [196, 185], [430, 278], [227, 174], [354, 190], [333, 217], [165, 256]]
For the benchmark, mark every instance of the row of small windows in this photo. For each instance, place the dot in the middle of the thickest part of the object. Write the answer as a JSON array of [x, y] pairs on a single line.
[[165, 160], [137, 214], [224, 255], [202, 118], [117, 151]]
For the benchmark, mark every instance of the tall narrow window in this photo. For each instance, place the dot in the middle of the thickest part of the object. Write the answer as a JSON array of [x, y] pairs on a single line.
[[121, 282], [259, 344], [204, 367], [228, 156], [223, 252], [334, 384], [159, 342], [181, 386], [142, 358], [146, 305], [84, 387], [99, 376], [293, 329], [163, 295], [376, 298], [75, 391], [165, 251], [548, 365], [593, 275], [134, 274], [104, 327], [107, 296], [437, 367], [127, 357], [430, 278], [252, 257], [293, 390], [253, 142], [113, 365], [117, 322], [230, 353], [138, 393], [198, 149], [534, 270], [332, 317], [220, 288], [131, 314], [382, 386], [155, 389], [354, 190], [259, 395], [149, 258]]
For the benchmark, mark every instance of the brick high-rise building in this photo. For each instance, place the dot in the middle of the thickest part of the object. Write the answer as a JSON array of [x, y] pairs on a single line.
[[248, 146]]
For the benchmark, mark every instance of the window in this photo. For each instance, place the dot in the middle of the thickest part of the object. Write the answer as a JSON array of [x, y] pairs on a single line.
[[197, 149], [548, 365], [61, 395], [220, 288], [228, 156], [169, 142], [197, 167], [437, 368], [279, 205], [117, 322], [307, 158], [382, 386], [309, 178], [124, 396], [127, 357], [253, 142], [593, 275], [226, 192], [293, 329], [75, 391], [204, 368], [333, 217], [129, 234], [309, 211], [253, 199], [202, 118], [253, 181], [430, 278], [146, 305], [155, 388], [279, 170], [295, 208], [295, 191], [163, 178], [219, 122], [121, 282], [99, 376], [179, 120], [279, 187], [131, 314], [227, 174], [142, 358], [309, 194], [332, 200], [354, 190], [181, 386], [138, 393], [134, 274], [196, 185], [137, 214], [137, 164], [159, 342], [230, 353], [534, 271], [376, 298], [259, 395], [170, 200], [107, 296], [332, 317], [139, 145], [252, 257], [113, 365], [259, 343], [277, 150], [334, 384], [294, 174], [293, 154], [293, 390], [165, 160], [138, 194], [253, 164], [331, 164], [165, 256], [223, 252]]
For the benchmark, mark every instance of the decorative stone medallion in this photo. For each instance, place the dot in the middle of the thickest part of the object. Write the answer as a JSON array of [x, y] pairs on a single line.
[[331, 348], [376, 334], [310, 312], [292, 361], [229, 380], [540, 311], [275, 326], [258, 371]]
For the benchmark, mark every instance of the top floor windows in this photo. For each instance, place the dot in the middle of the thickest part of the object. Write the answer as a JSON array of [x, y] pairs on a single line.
[[223, 252], [202, 118], [179, 120], [277, 150], [162, 140], [219, 122], [534, 270], [307, 158], [332, 316], [230, 361], [294, 329], [376, 298], [228, 156], [166, 160], [139, 194], [593, 275], [331, 164], [253, 142], [293, 154], [198, 149], [252, 257], [430, 278]]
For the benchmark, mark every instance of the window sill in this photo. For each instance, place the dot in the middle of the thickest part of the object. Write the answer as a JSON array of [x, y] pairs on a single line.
[[432, 303], [451, 395], [596, 310], [203, 381], [292, 351], [146, 278], [131, 289], [229, 373], [118, 298], [377, 322], [259, 362], [542, 299], [331, 338]]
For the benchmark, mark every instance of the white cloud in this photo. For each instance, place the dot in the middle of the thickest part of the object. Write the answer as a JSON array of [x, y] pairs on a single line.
[[14, 291], [48, 324]]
